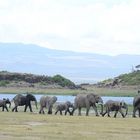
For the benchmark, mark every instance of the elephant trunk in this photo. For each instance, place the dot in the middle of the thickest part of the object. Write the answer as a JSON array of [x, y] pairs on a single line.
[[101, 109], [9, 104], [36, 104], [126, 107]]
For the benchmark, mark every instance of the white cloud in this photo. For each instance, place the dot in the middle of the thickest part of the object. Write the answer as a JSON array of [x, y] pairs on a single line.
[[92, 26]]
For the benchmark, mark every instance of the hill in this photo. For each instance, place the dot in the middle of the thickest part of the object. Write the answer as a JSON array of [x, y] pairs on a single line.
[[8, 79], [128, 79], [78, 67]]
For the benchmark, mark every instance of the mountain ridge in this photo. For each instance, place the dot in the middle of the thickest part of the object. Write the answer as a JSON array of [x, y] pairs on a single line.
[[76, 66]]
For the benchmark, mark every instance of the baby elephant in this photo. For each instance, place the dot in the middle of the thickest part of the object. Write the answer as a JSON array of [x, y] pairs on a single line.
[[115, 106], [3, 104], [64, 107]]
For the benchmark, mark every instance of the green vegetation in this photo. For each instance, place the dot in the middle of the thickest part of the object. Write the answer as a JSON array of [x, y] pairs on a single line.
[[128, 85], [130, 78], [32, 126], [63, 81], [4, 83], [24, 79]]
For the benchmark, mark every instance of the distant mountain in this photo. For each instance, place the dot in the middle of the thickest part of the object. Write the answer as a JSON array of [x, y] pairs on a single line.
[[78, 67]]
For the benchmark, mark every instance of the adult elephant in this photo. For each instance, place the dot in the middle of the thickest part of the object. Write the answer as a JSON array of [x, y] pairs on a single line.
[[3, 104], [47, 102], [21, 100], [136, 106], [116, 106], [87, 101], [64, 107]]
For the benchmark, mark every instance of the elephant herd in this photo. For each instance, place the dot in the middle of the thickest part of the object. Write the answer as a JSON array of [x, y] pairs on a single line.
[[81, 101]]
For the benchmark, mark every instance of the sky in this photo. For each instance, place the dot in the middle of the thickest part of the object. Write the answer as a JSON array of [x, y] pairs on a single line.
[[109, 27]]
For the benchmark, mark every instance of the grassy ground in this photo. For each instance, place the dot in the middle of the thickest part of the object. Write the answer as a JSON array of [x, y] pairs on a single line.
[[89, 89], [32, 126]]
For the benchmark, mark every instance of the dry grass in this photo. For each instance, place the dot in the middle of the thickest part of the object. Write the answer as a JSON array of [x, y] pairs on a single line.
[[32, 126], [127, 91]]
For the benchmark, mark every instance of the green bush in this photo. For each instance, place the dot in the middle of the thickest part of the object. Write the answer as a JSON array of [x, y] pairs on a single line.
[[63, 81], [4, 83]]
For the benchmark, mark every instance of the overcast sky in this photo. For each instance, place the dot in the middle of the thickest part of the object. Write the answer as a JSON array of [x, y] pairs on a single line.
[[99, 26]]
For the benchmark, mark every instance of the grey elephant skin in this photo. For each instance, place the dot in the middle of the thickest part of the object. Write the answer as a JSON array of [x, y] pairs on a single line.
[[87, 101], [116, 106], [64, 107], [21, 100], [136, 106], [47, 102], [3, 104]]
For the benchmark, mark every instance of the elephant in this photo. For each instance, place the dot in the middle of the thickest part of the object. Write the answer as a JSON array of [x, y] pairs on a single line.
[[136, 105], [47, 102], [116, 106], [3, 104], [21, 100], [64, 107], [87, 101]]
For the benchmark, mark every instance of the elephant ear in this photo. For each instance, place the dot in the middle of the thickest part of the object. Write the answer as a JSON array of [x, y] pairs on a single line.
[[91, 98], [122, 103]]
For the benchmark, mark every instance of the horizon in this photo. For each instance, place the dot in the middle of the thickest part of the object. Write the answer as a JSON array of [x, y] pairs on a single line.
[[78, 67], [73, 51], [103, 27]]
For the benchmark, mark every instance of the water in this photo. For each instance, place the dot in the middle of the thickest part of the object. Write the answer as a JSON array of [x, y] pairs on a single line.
[[63, 98]]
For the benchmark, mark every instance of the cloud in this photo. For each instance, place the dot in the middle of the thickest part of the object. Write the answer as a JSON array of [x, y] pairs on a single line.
[[98, 26]]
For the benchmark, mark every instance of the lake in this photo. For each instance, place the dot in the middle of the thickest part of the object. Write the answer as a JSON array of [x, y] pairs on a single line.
[[63, 98]]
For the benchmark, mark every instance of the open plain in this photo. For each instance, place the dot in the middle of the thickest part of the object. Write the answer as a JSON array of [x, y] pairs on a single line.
[[33, 126]]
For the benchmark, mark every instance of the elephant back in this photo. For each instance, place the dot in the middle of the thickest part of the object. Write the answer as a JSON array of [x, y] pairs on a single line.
[[69, 104], [45, 101], [61, 107], [18, 98]]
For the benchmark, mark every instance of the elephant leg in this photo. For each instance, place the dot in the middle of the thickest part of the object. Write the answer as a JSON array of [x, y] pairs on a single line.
[[95, 109], [41, 110], [87, 111], [134, 112], [56, 112], [68, 111], [2, 108], [15, 109], [30, 107], [25, 108], [139, 112], [6, 108], [61, 112], [72, 112], [50, 111], [79, 111], [104, 113], [115, 114], [121, 113], [108, 113]]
